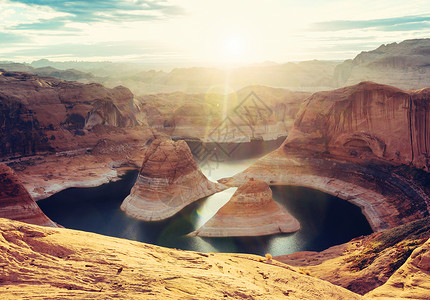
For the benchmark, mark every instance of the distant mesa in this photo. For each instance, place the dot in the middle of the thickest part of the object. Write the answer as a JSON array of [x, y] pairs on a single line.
[[250, 212], [168, 181]]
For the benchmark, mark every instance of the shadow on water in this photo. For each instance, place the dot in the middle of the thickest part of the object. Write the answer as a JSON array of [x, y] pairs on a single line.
[[325, 220]]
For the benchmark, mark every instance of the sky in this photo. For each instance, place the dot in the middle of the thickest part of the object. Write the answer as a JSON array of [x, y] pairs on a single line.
[[205, 32]]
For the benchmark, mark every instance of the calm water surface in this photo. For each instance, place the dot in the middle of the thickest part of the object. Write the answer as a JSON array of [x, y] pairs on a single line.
[[326, 220]]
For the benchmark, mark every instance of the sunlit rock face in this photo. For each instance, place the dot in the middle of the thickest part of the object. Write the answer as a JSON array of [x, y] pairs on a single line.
[[250, 212], [43, 114], [40, 262], [405, 65], [389, 264], [168, 181], [16, 203], [356, 143], [411, 281]]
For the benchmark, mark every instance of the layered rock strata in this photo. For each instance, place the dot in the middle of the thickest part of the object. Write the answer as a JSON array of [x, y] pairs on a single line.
[[362, 143], [250, 212], [168, 181], [59, 263], [16, 203]]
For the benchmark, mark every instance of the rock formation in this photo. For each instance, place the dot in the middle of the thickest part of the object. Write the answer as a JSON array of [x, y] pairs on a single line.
[[375, 262], [405, 65], [46, 114], [366, 144], [16, 203], [254, 112], [168, 181], [250, 212], [68, 264], [52, 130], [411, 281]]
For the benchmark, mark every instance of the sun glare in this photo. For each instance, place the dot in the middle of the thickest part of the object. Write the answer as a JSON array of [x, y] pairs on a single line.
[[233, 48]]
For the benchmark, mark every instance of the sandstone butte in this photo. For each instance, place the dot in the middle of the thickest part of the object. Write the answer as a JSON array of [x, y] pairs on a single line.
[[16, 203], [168, 181], [57, 263], [251, 211], [366, 143]]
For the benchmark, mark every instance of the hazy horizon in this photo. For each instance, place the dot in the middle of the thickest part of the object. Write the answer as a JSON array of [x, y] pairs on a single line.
[[204, 33]]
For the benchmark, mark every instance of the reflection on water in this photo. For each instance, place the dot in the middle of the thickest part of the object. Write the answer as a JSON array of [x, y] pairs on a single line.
[[325, 220]]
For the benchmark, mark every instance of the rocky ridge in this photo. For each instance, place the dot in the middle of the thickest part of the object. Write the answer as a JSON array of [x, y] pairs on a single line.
[[405, 65], [374, 263]]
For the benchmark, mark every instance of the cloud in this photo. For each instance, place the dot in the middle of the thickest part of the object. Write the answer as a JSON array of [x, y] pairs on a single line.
[[97, 51], [97, 11], [12, 38], [405, 23]]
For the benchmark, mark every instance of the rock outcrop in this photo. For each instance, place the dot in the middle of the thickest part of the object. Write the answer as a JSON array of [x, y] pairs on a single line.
[[365, 144], [168, 181], [385, 263], [405, 65], [16, 203], [38, 262], [251, 211], [411, 281]]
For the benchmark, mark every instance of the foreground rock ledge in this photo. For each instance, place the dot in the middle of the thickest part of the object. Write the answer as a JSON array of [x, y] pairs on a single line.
[[59, 263], [250, 212], [168, 181]]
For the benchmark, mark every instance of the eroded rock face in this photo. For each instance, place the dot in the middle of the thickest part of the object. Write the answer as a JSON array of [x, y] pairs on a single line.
[[367, 120], [46, 114], [16, 203], [355, 143], [250, 212], [168, 181]]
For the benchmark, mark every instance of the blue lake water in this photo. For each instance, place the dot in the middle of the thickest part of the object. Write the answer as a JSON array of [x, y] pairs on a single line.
[[326, 220]]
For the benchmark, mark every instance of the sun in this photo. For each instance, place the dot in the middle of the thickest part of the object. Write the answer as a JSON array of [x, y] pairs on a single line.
[[233, 47]]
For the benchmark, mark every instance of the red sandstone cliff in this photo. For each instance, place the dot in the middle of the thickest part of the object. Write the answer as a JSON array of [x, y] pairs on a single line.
[[16, 203]]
